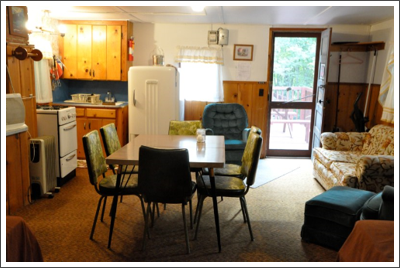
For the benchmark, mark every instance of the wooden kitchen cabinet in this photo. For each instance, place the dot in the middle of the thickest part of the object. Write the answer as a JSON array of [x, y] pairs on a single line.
[[17, 170], [96, 50], [89, 119]]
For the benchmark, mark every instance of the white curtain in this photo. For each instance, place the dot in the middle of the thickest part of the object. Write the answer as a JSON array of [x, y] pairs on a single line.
[[386, 94], [201, 73], [42, 81]]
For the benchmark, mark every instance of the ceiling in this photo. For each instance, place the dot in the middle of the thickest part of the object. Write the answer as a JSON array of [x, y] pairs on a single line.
[[267, 15]]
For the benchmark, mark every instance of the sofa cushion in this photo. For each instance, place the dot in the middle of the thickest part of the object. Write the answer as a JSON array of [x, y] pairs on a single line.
[[235, 145], [379, 141], [327, 157]]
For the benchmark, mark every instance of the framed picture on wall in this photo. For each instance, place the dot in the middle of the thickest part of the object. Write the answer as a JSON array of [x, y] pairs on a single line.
[[243, 52], [17, 18]]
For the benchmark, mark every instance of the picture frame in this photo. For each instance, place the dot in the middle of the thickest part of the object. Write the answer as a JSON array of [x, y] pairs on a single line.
[[17, 18], [322, 71], [243, 52]]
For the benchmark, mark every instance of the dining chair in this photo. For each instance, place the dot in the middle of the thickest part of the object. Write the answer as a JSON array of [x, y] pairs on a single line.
[[106, 185], [111, 144], [187, 127], [233, 169], [164, 177], [231, 186]]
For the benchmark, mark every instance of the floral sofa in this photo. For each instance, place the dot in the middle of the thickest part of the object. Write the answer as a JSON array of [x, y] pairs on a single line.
[[363, 160]]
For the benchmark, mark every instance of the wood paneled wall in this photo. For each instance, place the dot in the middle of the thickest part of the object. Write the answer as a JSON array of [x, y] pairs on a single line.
[[348, 93]]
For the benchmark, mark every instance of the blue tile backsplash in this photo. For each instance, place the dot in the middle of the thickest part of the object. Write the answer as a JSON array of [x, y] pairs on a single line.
[[117, 88]]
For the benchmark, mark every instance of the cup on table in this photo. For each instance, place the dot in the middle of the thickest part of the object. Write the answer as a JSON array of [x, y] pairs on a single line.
[[201, 135]]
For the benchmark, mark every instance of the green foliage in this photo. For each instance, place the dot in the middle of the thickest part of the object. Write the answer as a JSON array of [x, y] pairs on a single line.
[[294, 61]]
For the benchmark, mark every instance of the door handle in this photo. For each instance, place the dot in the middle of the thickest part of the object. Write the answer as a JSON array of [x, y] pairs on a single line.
[[71, 127], [71, 157], [134, 99]]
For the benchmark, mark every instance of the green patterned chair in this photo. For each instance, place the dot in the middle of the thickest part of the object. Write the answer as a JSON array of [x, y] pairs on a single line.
[[234, 169], [230, 186], [187, 127], [111, 144], [106, 186]]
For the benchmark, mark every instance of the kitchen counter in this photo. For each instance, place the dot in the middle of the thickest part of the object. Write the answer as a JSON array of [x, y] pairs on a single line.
[[118, 104]]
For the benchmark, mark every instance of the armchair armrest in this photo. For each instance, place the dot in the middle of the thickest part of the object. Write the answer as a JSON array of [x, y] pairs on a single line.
[[386, 211], [245, 134], [209, 131], [343, 141], [375, 171]]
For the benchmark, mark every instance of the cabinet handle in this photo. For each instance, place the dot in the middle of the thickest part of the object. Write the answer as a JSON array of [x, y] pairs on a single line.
[[89, 125], [84, 126], [90, 72], [93, 74]]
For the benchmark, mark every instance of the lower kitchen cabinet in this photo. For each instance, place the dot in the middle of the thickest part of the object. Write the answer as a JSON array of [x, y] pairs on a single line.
[[88, 119]]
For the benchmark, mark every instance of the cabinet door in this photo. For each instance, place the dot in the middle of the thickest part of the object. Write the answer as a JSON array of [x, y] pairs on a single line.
[[114, 52], [84, 52], [81, 129], [70, 51], [99, 52]]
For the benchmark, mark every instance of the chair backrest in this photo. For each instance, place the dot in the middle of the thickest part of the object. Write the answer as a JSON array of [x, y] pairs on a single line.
[[110, 138], [251, 156], [187, 127], [164, 175], [228, 119], [96, 163]]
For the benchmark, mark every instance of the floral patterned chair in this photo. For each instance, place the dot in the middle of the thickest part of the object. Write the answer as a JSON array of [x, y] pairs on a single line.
[[363, 160]]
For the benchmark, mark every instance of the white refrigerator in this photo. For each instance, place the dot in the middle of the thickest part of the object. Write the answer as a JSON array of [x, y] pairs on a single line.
[[153, 98]]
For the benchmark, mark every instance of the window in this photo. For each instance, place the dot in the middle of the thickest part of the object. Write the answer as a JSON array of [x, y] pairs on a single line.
[[200, 74]]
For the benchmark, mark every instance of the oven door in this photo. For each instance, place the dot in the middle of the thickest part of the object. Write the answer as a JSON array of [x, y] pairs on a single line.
[[67, 138]]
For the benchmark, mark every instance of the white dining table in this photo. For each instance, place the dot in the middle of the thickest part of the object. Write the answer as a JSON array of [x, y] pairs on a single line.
[[209, 154]]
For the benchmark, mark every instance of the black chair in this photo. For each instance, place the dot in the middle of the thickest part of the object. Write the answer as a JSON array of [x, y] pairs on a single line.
[[106, 186], [164, 177], [231, 186], [229, 120]]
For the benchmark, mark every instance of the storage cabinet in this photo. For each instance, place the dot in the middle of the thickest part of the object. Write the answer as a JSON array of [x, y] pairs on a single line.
[[96, 50], [88, 119]]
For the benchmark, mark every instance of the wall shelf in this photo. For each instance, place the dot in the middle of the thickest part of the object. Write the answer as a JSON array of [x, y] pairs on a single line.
[[361, 46]]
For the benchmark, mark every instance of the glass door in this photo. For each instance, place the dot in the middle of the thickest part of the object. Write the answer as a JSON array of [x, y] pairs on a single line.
[[292, 94]]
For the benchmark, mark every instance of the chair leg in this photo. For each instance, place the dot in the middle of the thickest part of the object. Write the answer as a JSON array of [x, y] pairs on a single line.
[[191, 214], [247, 216], [198, 212], [146, 226], [95, 217], [104, 207], [244, 214], [120, 199], [144, 213], [186, 230]]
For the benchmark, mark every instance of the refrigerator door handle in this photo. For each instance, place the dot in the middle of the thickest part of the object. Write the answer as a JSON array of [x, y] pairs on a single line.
[[134, 99]]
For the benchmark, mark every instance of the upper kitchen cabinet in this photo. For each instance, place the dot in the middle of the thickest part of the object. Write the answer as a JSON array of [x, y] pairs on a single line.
[[96, 50]]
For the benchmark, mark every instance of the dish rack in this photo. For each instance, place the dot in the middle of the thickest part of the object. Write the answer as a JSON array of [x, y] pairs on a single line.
[[86, 98]]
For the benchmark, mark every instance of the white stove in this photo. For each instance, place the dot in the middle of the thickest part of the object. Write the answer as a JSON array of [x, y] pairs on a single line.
[[60, 122]]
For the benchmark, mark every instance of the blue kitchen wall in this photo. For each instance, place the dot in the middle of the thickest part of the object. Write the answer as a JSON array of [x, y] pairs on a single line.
[[117, 88]]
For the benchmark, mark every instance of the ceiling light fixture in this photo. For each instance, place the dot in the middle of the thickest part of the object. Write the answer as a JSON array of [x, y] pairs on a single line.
[[197, 8]]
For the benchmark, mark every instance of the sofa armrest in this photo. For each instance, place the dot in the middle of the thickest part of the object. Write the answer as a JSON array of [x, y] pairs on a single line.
[[245, 134], [375, 171], [386, 211], [343, 141]]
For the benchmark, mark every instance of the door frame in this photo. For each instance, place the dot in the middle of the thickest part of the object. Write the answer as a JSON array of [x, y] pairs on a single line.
[[275, 152]]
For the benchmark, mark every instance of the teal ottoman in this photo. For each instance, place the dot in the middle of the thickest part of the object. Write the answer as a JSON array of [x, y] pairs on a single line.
[[329, 217]]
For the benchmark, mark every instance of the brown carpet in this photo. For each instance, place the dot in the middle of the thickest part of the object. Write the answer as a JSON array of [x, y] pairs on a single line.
[[62, 226]]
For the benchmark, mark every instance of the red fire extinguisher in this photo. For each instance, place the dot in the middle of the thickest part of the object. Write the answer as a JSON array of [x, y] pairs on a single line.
[[131, 46]]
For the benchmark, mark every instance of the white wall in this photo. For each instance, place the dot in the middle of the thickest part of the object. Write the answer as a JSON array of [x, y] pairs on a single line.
[[169, 36]]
